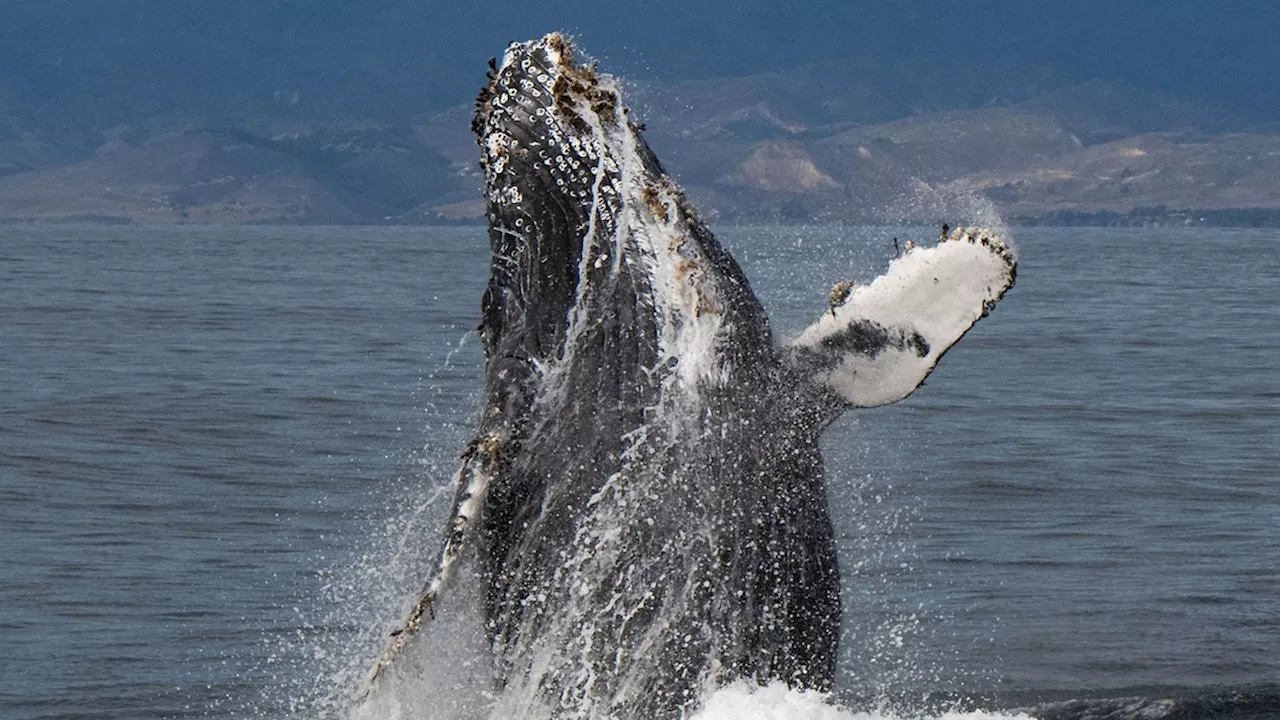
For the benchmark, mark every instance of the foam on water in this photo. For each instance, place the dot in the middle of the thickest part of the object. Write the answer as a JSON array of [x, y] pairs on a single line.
[[742, 701], [445, 673]]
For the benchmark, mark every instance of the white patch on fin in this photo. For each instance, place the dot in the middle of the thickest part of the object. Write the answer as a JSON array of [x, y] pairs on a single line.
[[884, 339], [471, 487]]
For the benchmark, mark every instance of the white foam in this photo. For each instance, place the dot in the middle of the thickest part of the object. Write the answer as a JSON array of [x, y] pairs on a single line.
[[743, 701]]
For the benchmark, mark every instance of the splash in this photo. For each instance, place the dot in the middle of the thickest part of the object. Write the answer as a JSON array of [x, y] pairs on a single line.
[[776, 702]]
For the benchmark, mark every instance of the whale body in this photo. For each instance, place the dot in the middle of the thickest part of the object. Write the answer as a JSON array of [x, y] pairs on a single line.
[[644, 494]]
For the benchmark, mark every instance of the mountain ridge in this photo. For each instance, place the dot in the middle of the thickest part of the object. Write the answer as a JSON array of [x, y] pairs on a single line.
[[787, 146]]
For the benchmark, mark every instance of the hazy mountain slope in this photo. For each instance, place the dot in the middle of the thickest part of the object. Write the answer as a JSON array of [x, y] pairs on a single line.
[[188, 174], [819, 143]]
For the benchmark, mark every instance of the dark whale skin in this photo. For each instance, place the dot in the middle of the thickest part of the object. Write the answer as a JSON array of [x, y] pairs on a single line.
[[726, 565]]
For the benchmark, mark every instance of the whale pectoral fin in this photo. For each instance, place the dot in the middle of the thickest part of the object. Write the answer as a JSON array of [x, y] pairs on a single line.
[[883, 339], [471, 489]]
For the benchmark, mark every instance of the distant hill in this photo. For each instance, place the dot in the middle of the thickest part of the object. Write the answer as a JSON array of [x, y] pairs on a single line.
[[859, 143], [188, 172]]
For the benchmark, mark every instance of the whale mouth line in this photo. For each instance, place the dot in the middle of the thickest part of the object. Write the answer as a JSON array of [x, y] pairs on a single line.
[[644, 497]]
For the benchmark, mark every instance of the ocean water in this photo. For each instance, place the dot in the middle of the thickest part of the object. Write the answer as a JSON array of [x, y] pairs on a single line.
[[221, 451]]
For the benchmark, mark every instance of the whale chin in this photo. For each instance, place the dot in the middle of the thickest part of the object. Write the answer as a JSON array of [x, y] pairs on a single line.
[[644, 493]]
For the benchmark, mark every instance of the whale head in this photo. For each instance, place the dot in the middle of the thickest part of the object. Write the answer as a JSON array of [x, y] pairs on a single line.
[[598, 261]]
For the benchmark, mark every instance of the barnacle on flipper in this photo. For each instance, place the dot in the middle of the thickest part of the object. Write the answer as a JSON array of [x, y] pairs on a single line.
[[489, 445], [426, 605], [986, 237], [839, 293]]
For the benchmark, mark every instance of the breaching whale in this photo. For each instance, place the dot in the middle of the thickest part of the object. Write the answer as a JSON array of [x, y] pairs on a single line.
[[644, 493]]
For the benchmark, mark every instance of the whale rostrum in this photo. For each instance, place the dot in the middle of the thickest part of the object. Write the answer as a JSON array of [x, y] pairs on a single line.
[[644, 494]]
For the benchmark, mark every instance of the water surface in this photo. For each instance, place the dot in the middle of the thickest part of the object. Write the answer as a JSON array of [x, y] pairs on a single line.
[[218, 448]]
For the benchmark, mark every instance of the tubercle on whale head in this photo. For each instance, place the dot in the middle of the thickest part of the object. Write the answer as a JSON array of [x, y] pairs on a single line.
[[553, 54], [541, 175], [577, 203]]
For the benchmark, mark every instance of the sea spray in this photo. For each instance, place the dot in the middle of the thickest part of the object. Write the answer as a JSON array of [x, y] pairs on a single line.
[[743, 701]]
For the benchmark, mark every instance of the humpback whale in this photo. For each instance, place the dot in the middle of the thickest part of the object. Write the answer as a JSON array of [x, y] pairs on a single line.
[[643, 497]]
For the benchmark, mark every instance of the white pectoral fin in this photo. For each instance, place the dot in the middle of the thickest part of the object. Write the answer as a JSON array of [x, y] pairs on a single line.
[[471, 490], [884, 340]]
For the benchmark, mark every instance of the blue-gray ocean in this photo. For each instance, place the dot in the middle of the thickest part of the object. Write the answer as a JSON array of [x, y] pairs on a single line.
[[219, 451]]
